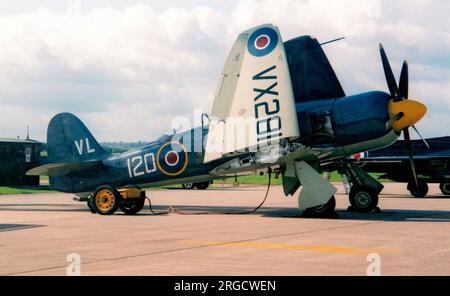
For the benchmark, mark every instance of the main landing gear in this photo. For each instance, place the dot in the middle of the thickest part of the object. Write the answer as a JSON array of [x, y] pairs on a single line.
[[418, 191], [422, 190], [363, 198], [324, 211], [106, 200], [199, 186], [445, 188], [364, 191]]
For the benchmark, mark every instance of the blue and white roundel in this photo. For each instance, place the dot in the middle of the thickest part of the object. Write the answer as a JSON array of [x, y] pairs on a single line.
[[262, 42]]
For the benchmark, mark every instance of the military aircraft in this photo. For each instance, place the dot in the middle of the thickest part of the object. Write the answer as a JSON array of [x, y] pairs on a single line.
[[277, 105], [432, 162]]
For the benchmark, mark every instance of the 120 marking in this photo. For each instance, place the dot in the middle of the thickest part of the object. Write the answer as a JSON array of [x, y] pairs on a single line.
[[141, 165]]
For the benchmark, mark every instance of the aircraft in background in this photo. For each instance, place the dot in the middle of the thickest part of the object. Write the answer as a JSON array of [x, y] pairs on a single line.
[[432, 162], [277, 105]]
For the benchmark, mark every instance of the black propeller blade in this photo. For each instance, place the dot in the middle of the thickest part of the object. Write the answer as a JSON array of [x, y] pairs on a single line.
[[417, 131], [411, 155], [400, 94], [390, 79], [404, 78]]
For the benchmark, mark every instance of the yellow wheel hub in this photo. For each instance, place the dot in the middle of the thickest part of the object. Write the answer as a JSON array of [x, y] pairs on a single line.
[[104, 200]]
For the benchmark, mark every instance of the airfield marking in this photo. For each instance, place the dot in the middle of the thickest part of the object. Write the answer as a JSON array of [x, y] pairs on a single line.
[[292, 247]]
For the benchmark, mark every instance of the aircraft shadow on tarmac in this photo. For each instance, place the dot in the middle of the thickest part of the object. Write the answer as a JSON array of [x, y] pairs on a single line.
[[392, 215], [239, 188], [401, 196], [12, 227], [42, 208]]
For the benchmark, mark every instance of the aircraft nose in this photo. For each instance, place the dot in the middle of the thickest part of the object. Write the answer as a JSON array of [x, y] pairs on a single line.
[[411, 112]]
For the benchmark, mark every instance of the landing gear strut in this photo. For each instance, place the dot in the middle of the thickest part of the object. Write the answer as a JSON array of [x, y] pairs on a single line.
[[364, 191]]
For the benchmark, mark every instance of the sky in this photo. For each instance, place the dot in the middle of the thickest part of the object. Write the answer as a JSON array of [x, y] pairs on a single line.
[[128, 68]]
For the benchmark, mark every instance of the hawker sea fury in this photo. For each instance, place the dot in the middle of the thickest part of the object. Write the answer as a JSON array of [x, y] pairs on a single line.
[[278, 105]]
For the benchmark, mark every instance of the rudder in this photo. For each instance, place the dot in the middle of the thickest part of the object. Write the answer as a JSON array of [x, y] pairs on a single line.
[[69, 141]]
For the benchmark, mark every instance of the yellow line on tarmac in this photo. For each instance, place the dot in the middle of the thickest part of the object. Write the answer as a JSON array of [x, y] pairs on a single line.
[[292, 247]]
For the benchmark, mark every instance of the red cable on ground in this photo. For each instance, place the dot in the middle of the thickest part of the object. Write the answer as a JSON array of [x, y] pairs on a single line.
[[215, 213], [157, 213]]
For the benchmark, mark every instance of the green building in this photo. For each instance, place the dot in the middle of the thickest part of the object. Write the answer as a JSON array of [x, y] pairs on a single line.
[[16, 158]]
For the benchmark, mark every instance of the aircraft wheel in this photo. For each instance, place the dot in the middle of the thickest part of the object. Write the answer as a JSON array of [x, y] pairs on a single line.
[[188, 186], [132, 206], [418, 192], [91, 206], [445, 188], [325, 211], [363, 199], [202, 186], [106, 200]]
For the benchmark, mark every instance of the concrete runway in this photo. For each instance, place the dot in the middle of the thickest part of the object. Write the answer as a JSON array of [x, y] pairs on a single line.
[[411, 236]]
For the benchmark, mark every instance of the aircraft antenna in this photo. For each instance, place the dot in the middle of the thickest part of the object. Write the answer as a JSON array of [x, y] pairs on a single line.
[[331, 41]]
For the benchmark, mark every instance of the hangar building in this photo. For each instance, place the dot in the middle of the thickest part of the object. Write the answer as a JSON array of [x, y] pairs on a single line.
[[16, 158]]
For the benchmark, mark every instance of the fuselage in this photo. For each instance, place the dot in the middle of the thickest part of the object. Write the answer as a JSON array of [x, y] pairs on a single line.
[[332, 128]]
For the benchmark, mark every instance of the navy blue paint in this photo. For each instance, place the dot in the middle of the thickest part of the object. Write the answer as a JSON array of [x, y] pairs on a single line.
[[432, 164], [65, 128], [354, 119]]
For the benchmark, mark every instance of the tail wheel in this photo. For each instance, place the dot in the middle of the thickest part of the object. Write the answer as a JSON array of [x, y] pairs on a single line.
[[188, 186], [202, 186], [445, 188], [363, 199], [132, 206], [420, 191], [106, 200]]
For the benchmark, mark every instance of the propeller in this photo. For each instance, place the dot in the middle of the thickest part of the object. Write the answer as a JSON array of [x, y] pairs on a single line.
[[399, 93]]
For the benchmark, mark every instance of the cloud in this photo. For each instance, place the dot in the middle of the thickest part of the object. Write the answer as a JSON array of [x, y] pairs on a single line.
[[128, 71]]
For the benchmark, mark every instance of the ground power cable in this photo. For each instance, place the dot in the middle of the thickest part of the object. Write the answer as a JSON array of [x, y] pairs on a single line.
[[186, 213]]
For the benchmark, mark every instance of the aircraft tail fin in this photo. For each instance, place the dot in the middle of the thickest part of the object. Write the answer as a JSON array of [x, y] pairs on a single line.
[[69, 141], [254, 103], [71, 149]]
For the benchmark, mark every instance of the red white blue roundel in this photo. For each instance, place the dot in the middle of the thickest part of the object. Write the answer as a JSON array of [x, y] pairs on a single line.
[[172, 159], [262, 42]]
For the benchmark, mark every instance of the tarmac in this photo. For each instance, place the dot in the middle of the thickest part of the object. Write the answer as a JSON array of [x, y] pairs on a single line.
[[41, 234]]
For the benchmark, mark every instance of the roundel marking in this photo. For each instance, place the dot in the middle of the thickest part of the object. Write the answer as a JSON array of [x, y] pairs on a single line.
[[262, 42], [172, 159]]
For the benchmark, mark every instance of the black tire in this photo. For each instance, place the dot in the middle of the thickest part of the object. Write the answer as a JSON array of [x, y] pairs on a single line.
[[445, 188], [325, 211], [132, 206], [363, 199], [106, 200], [420, 192], [90, 206], [188, 186], [202, 186]]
